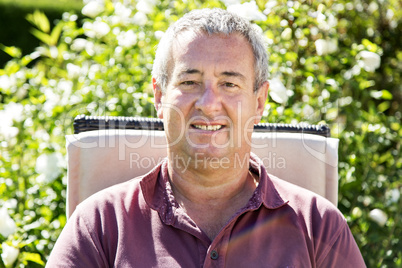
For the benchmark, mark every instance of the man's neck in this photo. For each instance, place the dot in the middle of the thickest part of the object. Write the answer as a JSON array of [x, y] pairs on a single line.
[[211, 197]]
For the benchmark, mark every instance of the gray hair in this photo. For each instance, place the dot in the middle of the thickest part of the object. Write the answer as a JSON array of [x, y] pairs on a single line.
[[211, 21]]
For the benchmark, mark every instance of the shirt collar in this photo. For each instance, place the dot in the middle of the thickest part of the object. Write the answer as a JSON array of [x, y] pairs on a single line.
[[159, 196], [158, 193], [266, 190]]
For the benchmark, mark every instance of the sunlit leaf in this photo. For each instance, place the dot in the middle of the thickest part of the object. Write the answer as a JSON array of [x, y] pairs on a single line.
[[39, 20], [12, 51], [44, 37], [27, 257]]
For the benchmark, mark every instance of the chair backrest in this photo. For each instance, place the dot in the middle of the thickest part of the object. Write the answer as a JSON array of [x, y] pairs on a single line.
[[108, 150]]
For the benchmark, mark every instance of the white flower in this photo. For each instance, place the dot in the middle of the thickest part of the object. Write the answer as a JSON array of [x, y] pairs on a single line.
[[308, 111], [321, 47], [101, 28], [324, 47], [57, 94], [6, 82], [127, 39], [140, 18], [373, 7], [9, 132], [277, 91], [370, 61], [52, 99], [326, 23], [11, 203], [90, 48], [121, 10], [79, 44], [41, 134], [14, 111], [158, 34], [393, 195], [378, 216], [65, 87], [287, 34], [96, 29], [73, 70], [122, 14], [11, 112], [248, 10], [9, 254], [93, 9], [94, 69], [7, 225], [390, 14], [145, 6], [269, 6], [231, 2], [54, 52], [49, 166]]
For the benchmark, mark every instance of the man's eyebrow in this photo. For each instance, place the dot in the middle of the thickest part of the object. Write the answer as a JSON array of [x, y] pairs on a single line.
[[235, 74], [190, 71], [226, 73]]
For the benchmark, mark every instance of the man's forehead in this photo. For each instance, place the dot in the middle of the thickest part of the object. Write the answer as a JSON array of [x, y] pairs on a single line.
[[191, 50], [183, 40], [187, 36], [186, 39]]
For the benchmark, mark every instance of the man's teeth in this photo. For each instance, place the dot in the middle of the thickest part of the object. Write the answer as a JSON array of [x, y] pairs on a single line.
[[209, 128]]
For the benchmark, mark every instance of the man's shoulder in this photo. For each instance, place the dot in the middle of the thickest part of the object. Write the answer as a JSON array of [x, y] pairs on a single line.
[[304, 201], [123, 193], [113, 197], [321, 219]]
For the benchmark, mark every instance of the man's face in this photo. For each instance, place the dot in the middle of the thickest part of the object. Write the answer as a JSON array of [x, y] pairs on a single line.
[[209, 106]]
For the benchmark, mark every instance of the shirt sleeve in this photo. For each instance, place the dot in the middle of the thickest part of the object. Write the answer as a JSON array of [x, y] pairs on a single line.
[[344, 252], [77, 246]]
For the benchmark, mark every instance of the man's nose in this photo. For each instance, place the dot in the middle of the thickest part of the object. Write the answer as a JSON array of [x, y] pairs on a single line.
[[209, 101]]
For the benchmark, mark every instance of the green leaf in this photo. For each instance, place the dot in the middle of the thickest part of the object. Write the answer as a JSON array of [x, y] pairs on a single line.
[[44, 37], [14, 52], [395, 126], [386, 95], [39, 20], [366, 84], [382, 107], [26, 60], [31, 257], [54, 36], [369, 45], [381, 94]]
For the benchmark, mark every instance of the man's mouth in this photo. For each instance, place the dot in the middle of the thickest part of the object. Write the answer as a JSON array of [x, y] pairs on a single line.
[[208, 127]]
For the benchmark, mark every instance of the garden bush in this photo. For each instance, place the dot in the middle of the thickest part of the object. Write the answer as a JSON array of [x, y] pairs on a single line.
[[331, 62], [15, 29]]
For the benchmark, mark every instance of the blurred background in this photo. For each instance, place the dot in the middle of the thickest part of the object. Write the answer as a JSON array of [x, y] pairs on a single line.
[[16, 29], [331, 62]]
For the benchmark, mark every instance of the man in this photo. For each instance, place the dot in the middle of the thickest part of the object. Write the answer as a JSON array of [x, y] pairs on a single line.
[[200, 207]]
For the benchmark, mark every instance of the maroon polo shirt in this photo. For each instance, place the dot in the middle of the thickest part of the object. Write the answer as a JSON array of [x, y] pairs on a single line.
[[139, 224]]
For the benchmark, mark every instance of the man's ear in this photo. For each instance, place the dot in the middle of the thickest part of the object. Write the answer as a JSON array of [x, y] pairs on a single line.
[[262, 95], [158, 96]]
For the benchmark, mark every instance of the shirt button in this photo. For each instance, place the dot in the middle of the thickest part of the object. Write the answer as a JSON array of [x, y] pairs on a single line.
[[214, 255]]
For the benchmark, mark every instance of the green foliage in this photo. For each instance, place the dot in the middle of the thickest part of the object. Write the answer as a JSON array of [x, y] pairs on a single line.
[[44, 4], [15, 29], [324, 64]]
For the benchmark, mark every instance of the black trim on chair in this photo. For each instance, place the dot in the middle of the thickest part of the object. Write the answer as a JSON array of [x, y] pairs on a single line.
[[84, 123]]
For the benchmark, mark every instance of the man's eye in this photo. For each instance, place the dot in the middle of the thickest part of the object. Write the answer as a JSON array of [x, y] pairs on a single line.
[[229, 84], [188, 83]]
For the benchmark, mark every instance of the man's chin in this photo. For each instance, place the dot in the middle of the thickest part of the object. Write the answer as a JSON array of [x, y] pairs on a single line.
[[209, 151]]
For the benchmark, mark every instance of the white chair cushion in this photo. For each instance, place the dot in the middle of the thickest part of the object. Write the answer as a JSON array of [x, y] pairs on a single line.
[[101, 158]]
